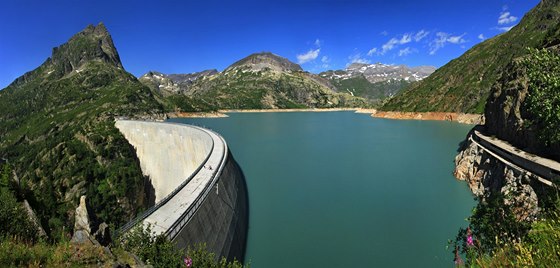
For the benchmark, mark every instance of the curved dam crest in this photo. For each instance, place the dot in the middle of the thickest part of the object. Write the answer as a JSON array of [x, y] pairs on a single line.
[[200, 191]]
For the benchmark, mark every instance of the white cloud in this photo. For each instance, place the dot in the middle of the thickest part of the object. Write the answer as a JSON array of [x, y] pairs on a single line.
[[318, 42], [372, 51], [309, 56], [357, 58], [406, 51], [402, 40], [443, 38], [406, 38], [506, 18], [384, 33], [456, 39], [389, 45], [481, 37], [420, 35], [325, 62], [505, 28]]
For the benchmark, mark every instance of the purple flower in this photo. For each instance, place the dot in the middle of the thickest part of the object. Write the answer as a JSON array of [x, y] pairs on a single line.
[[470, 242], [188, 261]]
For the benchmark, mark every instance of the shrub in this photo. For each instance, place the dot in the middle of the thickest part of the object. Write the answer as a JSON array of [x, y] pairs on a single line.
[[543, 100]]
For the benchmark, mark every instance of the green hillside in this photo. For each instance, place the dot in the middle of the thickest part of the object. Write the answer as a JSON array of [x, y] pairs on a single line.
[[463, 85], [57, 131]]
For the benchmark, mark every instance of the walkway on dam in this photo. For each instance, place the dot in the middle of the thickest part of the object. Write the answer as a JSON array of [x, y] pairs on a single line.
[[546, 170], [175, 210], [175, 213]]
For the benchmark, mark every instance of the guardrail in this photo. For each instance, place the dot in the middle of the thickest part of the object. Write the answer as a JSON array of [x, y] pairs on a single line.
[[509, 160], [184, 219], [125, 228]]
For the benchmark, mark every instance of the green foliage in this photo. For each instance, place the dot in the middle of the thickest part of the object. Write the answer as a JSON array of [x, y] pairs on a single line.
[[17, 253], [492, 226], [153, 249], [201, 257], [158, 251], [499, 240], [13, 218], [539, 248], [5, 177], [543, 100]]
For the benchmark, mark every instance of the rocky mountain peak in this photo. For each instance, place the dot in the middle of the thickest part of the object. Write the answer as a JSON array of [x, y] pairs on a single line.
[[262, 60], [94, 43]]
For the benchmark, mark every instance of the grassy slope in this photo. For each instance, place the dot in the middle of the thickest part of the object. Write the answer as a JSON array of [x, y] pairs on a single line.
[[243, 89]]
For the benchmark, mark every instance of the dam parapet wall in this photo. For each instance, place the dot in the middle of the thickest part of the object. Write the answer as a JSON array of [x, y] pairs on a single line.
[[201, 194]]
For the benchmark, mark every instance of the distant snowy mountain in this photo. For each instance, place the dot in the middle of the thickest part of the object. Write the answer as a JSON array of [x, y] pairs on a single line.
[[380, 72], [376, 82]]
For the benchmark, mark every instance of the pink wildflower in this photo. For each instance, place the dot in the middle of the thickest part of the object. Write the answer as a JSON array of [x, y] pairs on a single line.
[[188, 262], [470, 241]]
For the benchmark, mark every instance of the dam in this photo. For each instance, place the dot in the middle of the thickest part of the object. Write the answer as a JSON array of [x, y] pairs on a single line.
[[200, 190]]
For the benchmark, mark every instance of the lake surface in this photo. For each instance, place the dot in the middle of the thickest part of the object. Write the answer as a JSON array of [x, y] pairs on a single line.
[[341, 189]]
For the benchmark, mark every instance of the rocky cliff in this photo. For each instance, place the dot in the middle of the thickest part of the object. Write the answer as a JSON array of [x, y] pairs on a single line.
[[510, 119], [486, 175]]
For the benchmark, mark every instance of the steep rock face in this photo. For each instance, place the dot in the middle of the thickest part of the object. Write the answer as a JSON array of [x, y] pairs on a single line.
[[464, 84], [56, 127], [93, 43], [486, 175]]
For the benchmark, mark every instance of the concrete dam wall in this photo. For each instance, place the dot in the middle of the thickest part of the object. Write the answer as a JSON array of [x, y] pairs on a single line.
[[201, 195]]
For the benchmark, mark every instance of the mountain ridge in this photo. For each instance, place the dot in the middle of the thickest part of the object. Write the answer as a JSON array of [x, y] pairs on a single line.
[[259, 81], [463, 84]]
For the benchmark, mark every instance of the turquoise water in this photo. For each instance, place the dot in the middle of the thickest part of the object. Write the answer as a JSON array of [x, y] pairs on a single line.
[[341, 189]]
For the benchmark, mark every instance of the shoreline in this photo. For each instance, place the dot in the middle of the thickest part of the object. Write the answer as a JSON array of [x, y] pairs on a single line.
[[473, 119], [434, 116], [223, 113]]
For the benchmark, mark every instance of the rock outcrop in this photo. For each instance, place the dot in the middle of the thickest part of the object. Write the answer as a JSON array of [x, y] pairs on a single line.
[[486, 175], [82, 228], [507, 117]]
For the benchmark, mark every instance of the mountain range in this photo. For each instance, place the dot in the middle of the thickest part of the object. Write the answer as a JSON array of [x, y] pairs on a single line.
[[378, 81], [259, 81]]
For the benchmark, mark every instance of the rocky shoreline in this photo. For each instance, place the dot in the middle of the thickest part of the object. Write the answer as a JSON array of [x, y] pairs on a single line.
[[223, 113], [438, 116]]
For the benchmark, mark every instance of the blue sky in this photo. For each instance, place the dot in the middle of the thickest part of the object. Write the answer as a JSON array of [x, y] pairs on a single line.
[[189, 36]]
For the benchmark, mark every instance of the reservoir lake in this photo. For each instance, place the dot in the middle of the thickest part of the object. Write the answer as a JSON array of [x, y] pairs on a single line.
[[339, 189]]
